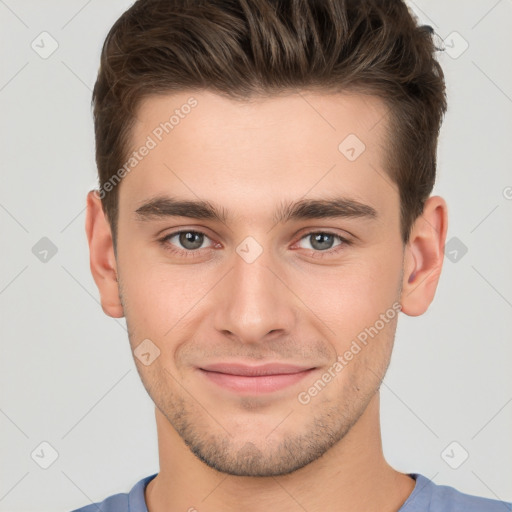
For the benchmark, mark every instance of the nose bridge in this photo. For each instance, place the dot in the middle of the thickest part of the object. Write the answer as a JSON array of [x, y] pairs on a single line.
[[253, 301]]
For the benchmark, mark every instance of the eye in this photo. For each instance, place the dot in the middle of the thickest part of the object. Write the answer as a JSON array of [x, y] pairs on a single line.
[[190, 242], [322, 241], [186, 240]]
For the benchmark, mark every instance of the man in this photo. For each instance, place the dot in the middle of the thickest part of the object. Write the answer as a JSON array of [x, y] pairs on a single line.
[[264, 215]]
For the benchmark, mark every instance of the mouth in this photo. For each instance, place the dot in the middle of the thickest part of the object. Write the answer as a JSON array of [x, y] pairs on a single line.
[[265, 378]]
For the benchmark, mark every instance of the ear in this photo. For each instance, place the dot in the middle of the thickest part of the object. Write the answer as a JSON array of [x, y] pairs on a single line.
[[102, 256], [424, 256]]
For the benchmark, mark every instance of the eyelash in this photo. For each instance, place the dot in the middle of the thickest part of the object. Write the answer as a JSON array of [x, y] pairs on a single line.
[[189, 253]]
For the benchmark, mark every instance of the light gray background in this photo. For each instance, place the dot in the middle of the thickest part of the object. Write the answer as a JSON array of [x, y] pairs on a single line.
[[67, 375]]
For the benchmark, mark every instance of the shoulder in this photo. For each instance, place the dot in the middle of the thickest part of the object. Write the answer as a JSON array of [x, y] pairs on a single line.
[[133, 501], [448, 499], [430, 497], [115, 503]]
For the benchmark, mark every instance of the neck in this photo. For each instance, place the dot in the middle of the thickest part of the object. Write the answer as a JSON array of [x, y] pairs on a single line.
[[352, 475]]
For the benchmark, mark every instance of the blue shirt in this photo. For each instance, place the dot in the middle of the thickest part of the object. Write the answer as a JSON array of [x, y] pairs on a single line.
[[425, 497]]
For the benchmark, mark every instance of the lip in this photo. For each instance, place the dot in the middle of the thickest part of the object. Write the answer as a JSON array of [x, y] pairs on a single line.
[[264, 378]]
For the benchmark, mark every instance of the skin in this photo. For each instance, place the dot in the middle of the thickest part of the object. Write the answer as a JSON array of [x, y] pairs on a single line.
[[225, 451]]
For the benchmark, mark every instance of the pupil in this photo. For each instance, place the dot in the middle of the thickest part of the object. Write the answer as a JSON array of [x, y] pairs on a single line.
[[191, 240], [321, 241]]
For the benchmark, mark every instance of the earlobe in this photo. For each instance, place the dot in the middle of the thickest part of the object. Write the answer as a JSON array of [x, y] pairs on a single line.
[[424, 255], [102, 257]]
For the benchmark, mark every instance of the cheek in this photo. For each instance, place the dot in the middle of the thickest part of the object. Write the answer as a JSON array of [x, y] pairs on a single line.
[[348, 297], [352, 297], [161, 299]]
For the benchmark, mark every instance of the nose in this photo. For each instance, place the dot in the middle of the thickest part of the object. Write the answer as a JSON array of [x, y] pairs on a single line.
[[253, 302]]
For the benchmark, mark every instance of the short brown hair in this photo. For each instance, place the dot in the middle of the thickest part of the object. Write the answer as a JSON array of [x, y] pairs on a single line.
[[244, 48]]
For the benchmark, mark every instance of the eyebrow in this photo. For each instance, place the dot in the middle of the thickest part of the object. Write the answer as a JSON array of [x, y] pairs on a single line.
[[339, 207]]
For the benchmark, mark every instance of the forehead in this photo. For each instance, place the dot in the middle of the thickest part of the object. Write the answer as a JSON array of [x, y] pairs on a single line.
[[259, 150], [300, 113]]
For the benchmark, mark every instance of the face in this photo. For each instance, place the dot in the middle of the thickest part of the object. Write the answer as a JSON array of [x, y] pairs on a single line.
[[292, 255]]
